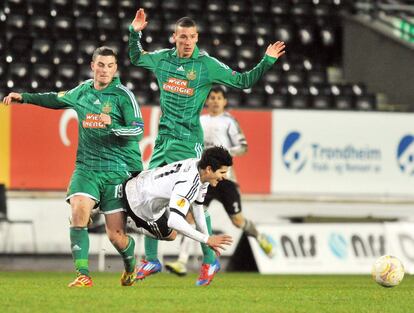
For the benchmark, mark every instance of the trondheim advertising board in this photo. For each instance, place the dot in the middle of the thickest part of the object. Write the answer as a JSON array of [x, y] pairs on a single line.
[[343, 152]]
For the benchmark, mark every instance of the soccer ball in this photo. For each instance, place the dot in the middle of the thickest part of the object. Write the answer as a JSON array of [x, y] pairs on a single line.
[[388, 271]]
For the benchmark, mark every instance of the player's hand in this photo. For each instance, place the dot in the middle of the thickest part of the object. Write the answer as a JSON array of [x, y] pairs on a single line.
[[140, 21], [12, 97], [218, 242], [276, 50], [105, 118]]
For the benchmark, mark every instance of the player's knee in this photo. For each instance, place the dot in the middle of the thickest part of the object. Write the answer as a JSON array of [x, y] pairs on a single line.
[[238, 220], [118, 238], [171, 236]]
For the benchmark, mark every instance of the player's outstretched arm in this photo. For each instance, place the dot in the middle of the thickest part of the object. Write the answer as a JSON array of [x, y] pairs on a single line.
[[276, 50], [219, 242], [140, 20], [12, 97]]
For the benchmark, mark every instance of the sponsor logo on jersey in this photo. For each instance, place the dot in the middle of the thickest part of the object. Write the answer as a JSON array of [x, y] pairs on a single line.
[[93, 121], [179, 86], [181, 202], [180, 69], [107, 108], [97, 101], [191, 75]]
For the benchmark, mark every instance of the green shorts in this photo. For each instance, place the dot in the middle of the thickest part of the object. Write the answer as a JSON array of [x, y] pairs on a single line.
[[103, 187], [168, 150]]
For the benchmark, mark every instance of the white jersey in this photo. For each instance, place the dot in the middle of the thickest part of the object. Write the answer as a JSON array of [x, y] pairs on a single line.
[[224, 130], [174, 186]]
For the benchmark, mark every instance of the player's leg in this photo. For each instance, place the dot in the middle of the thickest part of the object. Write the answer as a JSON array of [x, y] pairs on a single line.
[[83, 195], [151, 262], [112, 205]]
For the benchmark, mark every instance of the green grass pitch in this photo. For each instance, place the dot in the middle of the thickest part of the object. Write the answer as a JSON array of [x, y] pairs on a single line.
[[33, 292]]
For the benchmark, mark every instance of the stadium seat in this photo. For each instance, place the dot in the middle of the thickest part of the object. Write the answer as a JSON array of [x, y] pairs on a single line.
[[280, 7], [86, 28], [16, 25], [299, 96], [322, 102], [84, 72], [149, 4], [344, 102], [127, 9], [235, 98], [41, 51], [317, 77], [64, 51], [16, 7], [107, 7], [42, 76], [256, 99], [108, 28], [295, 77], [366, 102], [239, 7], [39, 26], [278, 101], [61, 7], [85, 8], [18, 48], [85, 51], [64, 27], [260, 6], [224, 52], [18, 76], [217, 6], [66, 76], [39, 7]]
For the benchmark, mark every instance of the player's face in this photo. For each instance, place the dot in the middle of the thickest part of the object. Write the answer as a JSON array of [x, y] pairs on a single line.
[[216, 103], [104, 68], [185, 40], [214, 177]]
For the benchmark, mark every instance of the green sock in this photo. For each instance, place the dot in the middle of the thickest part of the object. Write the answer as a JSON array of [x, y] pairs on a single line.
[[79, 243], [151, 249], [128, 255], [209, 254]]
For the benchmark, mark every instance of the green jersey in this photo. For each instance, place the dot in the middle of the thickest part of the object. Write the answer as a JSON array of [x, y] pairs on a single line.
[[101, 147], [185, 84]]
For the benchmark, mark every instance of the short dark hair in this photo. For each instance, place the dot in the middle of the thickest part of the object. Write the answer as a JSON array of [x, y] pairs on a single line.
[[105, 51], [185, 22], [218, 89], [215, 157]]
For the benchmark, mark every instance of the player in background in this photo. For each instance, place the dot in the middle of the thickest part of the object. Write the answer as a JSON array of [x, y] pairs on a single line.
[[221, 128], [159, 200], [110, 126], [185, 76]]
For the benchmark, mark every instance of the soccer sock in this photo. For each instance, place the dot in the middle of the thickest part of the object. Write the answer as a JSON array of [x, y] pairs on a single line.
[[151, 249], [128, 255], [209, 254], [79, 243], [185, 247], [250, 229]]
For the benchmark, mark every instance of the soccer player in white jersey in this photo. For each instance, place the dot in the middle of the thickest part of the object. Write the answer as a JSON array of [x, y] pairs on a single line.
[[221, 128], [158, 201]]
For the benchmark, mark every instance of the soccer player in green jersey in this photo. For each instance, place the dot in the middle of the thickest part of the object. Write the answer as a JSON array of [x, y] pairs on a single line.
[[110, 126], [185, 76]]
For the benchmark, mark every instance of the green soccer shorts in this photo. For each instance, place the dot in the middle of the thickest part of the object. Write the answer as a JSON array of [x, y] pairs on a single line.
[[168, 150], [103, 187]]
